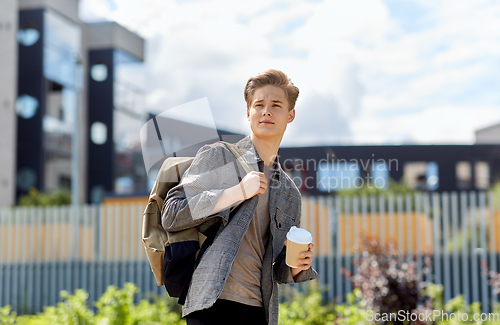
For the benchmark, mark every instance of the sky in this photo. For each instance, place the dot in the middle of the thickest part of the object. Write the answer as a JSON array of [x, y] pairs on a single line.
[[369, 71]]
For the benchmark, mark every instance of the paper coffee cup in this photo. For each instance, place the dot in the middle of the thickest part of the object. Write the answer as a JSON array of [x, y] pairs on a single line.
[[298, 241]]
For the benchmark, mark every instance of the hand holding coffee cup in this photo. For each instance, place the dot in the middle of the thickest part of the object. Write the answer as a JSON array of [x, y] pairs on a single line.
[[299, 247]]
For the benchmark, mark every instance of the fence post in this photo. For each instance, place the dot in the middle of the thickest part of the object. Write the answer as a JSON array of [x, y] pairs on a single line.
[[454, 235], [436, 220], [409, 228], [338, 257], [446, 246], [493, 243], [473, 247], [356, 225], [347, 242], [321, 248], [483, 256], [465, 262], [418, 202], [331, 247]]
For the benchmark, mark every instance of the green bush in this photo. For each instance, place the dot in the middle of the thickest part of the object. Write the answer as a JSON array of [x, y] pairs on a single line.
[[394, 189], [35, 198], [306, 309], [6, 316], [115, 307], [353, 312]]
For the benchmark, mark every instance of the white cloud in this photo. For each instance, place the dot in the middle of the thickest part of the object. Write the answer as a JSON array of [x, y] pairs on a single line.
[[443, 125], [362, 77], [94, 10]]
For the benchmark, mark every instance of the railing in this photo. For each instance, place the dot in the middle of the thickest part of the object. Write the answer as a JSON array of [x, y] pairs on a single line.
[[459, 230], [45, 250]]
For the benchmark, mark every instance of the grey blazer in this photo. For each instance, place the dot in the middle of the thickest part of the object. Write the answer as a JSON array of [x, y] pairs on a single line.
[[188, 204]]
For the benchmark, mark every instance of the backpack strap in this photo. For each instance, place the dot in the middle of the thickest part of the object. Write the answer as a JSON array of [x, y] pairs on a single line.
[[239, 156]]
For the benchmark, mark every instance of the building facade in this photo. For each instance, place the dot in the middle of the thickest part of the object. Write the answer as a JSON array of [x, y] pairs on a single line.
[[326, 169], [8, 94], [488, 135], [59, 82]]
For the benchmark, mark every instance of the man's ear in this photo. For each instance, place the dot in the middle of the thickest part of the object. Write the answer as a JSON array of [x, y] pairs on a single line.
[[291, 115], [248, 113]]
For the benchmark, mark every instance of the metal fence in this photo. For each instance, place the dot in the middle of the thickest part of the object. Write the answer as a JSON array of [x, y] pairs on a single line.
[[46, 250]]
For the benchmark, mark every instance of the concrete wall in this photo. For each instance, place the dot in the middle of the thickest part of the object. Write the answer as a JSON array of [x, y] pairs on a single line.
[[110, 35], [489, 135], [68, 8], [82, 120], [8, 94]]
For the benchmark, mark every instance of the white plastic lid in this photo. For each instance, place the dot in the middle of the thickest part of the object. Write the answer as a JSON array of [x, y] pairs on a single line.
[[299, 235]]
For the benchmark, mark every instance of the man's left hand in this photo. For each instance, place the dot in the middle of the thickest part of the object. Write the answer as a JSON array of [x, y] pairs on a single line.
[[304, 262]]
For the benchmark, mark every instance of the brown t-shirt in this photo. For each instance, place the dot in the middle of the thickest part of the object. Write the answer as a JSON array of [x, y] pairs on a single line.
[[244, 280]]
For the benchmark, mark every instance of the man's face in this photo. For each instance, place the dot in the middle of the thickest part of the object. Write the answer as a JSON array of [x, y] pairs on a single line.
[[268, 113]]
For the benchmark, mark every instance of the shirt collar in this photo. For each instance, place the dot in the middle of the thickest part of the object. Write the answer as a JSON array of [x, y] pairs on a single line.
[[252, 156]]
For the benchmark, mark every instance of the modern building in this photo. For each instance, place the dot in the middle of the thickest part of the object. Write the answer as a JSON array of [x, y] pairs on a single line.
[[67, 110], [115, 110], [326, 169], [62, 97], [488, 135]]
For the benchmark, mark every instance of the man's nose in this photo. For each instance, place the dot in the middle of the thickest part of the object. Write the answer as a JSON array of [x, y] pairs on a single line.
[[266, 111]]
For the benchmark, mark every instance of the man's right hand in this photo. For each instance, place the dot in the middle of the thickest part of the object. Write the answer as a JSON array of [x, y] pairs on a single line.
[[254, 183]]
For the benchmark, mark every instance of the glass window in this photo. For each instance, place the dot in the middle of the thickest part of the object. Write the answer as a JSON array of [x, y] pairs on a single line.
[[482, 175], [337, 176], [65, 182], [380, 175], [26, 106], [28, 36], [55, 106], [128, 119], [26, 178], [421, 175], [99, 133], [432, 176], [60, 68], [124, 185], [99, 72], [62, 50], [97, 194], [463, 174], [63, 71], [62, 34]]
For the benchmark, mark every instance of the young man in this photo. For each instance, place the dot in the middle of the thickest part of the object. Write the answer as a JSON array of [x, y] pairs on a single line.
[[236, 279]]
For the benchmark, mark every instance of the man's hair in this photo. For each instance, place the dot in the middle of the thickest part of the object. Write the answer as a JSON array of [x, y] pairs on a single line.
[[274, 78]]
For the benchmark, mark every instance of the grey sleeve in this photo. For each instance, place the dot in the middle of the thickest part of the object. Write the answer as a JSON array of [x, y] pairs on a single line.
[[189, 203]]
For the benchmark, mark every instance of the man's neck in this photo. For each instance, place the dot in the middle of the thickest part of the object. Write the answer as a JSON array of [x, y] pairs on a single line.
[[266, 148]]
